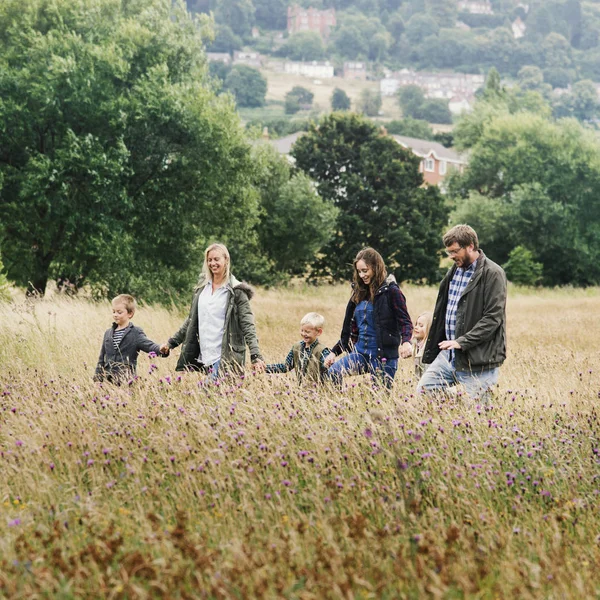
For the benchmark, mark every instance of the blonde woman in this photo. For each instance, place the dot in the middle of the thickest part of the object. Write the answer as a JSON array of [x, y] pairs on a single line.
[[220, 324]]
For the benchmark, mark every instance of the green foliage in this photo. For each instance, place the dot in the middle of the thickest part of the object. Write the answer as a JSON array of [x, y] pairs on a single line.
[[360, 36], [117, 157], [304, 45], [297, 98], [521, 268], [225, 40], [376, 185], [413, 103], [340, 100], [369, 102], [4, 285], [271, 14], [295, 222], [279, 127], [535, 182], [411, 128], [582, 102], [236, 14], [248, 86], [292, 104]]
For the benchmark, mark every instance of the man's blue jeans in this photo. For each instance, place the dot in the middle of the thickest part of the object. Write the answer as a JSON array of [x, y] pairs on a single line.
[[440, 375], [355, 363]]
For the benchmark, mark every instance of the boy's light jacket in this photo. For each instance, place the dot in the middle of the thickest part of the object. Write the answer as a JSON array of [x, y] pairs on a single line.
[[238, 332]]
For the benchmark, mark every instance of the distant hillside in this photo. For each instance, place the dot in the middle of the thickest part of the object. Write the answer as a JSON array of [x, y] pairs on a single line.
[[560, 37]]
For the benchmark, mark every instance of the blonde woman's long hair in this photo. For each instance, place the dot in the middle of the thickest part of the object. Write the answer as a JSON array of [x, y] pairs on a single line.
[[223, 250]]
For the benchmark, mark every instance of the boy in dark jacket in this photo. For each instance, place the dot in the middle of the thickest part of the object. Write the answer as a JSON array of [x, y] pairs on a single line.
[[122, 343]]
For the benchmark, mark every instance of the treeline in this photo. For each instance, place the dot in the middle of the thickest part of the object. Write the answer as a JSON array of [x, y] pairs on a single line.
[[121, 161], [562, 37]]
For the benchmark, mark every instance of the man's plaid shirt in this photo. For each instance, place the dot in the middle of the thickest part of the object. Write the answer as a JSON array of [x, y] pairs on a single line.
[[459, 282]]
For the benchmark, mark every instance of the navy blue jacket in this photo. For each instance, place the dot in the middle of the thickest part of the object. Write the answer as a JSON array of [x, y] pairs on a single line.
[[117, 364], [392, 322]]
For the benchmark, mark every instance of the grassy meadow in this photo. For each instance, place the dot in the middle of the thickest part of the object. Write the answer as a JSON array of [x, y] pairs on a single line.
[[255, 488]]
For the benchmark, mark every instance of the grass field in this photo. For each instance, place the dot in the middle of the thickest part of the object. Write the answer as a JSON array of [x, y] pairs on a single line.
[[255, 488], [279, 84]]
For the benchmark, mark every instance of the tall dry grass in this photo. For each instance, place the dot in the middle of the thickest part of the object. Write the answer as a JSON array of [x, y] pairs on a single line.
[[256, 488]]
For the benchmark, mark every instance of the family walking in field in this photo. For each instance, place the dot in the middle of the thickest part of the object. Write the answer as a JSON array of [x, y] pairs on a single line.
[[463, 341]]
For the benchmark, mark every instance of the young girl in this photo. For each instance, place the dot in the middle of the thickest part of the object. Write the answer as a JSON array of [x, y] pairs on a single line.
[[375, 326], [420, 334]]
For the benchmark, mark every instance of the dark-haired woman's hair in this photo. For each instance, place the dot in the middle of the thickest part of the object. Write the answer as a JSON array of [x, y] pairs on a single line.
[[373, 260]]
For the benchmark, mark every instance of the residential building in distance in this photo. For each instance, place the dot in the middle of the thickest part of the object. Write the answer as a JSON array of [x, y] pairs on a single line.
[[461, 104], [435, 85], [223, 57], [436, 160], [310, 19], [314, 69], [476, 8], [355, 70], [518, 28], [252, 59]]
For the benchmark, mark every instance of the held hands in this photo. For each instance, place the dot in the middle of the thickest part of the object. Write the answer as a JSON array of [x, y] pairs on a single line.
[[165, 350], [406, 350], [259, 365], [329, 360], [449, 345]]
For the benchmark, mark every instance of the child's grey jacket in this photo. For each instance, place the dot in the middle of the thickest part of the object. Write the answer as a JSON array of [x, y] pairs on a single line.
[[119, 363]]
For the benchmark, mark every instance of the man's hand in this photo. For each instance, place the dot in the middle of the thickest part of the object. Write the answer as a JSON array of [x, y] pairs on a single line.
[[164, 349], [449, 345], [406, 350], [329, 360]]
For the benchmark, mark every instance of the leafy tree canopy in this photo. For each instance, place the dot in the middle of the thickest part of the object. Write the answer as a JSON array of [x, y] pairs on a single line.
[[376, 185], [117, 158]]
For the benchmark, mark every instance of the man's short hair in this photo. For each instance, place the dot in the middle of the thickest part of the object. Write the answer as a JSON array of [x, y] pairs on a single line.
[[314, 319], [128, 300], [464, 235]]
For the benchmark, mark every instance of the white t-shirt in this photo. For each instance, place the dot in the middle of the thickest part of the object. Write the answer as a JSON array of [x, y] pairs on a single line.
[[212, 308]]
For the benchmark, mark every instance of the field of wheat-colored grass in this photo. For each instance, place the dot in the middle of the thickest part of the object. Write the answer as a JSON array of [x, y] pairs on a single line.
[[255, 488]]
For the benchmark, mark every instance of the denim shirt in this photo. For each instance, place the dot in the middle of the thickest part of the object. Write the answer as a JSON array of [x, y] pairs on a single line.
[[367, 335]]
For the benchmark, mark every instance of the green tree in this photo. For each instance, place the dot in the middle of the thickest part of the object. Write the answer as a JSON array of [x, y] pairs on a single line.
[[4, 285], [436, 110], [376, 185], [116, 155], [369, 102], [340, 100], [298, 97], [540, 178], [304, 45], [237, 14], [581, 103], [420, 27], [521, 268], [271, 14], [295, 222], [411, 128], [225, 40], [443, 11], [247, 84], [410, 99]]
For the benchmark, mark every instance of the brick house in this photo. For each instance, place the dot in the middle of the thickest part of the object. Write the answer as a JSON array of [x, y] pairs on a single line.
[[355, 70], [436, 160], [310, 19]]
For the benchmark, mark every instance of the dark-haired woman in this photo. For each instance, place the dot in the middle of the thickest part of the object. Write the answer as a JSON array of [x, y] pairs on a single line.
[[377, 328]]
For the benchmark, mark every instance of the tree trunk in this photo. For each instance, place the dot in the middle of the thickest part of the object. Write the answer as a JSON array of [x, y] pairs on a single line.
[[39, 278]]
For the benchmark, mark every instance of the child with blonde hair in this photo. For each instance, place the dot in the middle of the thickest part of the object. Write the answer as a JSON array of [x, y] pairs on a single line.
[[420, 335], [122, 343], [308, 356]]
